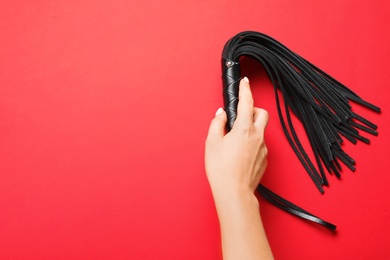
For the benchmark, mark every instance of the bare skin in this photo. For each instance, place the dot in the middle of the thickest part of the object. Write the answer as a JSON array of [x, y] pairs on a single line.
[[235, 163]]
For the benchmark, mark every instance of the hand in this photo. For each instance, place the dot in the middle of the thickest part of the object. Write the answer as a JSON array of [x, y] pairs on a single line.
[[235, 162]]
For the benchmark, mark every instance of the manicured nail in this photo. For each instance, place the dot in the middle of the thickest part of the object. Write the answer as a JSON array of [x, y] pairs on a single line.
[[219, 111], [246, 80]]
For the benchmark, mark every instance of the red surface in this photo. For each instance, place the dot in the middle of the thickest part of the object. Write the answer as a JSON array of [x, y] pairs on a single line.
[[105, 105]]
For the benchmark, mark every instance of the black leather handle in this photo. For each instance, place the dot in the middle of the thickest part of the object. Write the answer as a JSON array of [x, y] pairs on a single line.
[[231, 76]]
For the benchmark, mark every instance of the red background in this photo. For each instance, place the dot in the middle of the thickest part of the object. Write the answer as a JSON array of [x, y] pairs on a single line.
[[105, 105]]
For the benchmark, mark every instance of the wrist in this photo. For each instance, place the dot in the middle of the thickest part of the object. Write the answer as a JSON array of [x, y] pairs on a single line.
[[227, 199]]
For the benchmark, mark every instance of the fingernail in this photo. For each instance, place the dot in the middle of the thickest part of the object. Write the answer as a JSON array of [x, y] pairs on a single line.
[[219, 111], [246, 80]]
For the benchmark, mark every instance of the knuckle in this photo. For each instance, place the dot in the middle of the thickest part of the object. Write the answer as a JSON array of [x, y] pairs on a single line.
[[244, 130], [262, 112], [258, 136], [265, 150], [257, 139]]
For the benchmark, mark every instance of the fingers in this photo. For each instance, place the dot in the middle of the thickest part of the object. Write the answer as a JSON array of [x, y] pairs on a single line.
[[247, 115], [260, 119], [217, 126], [245, 105]]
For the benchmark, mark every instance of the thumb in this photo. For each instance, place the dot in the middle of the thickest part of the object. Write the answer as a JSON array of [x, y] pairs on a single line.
[[217, 125]]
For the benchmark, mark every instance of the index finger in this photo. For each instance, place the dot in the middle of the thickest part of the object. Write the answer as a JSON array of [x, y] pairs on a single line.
[[245, 105]]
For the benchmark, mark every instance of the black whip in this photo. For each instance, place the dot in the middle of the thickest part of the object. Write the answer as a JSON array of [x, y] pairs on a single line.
[[321, 103]]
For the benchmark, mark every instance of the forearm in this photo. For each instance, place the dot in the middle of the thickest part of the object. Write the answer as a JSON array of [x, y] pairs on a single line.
[[242, 231]]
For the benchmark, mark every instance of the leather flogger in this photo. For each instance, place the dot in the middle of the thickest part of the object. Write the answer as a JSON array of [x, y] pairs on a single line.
[[321, 103]]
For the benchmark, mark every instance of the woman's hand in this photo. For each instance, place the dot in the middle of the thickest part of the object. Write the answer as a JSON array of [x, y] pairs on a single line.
[[235, 163]]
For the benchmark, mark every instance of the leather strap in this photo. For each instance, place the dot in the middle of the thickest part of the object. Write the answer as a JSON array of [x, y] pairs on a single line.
[[319, 101], [292, 208]]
